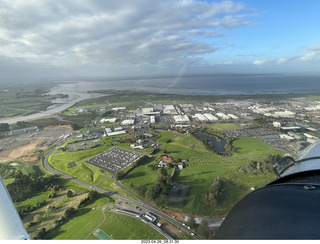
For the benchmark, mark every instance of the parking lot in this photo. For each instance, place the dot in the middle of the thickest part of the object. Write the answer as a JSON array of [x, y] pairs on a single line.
[[115, 159]]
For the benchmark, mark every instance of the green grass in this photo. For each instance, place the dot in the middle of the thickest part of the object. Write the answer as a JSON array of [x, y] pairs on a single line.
[[165, 136], [83, 171], [122, 227], [223, 126], [142, 176], [83, 223], [203, 166], [23, 100]]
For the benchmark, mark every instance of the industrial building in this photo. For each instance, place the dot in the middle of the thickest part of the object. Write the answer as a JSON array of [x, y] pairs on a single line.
[[210, 117], [128, 122], [222, 116], [181, 118]]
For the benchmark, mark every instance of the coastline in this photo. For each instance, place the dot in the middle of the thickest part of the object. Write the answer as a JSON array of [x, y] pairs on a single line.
[[82, 90]]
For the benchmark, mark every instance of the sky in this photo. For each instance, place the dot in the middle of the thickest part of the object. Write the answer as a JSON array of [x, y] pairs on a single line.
[[51, 39]]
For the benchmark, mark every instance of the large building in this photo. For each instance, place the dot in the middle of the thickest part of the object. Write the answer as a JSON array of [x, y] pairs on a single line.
[[181, 118], [128, 122], [210, 117]]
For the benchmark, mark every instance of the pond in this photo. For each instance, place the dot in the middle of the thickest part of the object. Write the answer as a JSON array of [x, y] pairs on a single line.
[[217, 142]]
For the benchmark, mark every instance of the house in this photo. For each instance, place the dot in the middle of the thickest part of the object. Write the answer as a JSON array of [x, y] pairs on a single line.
[[166, 158], [162, 164]]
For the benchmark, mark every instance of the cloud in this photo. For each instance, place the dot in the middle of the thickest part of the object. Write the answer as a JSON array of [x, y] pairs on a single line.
[[227, 62], [110, 35], [313, 47], [259, 62], [309, 56], [282, 60]]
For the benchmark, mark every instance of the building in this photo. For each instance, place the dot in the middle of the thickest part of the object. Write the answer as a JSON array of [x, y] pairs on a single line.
[[24, 131], [128, 122], [119, 108], [116, 133], [181, 118], [232, 116], [222, 116], [169, 109], [286, 137], [112, 120], [276, 124], [210, 117], [200, 117]]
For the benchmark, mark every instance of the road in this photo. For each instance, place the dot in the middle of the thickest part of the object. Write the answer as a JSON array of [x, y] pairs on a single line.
[[143, 204]]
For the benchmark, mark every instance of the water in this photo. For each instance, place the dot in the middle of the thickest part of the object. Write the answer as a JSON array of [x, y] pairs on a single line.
[[219, 85], [204, 85], [219, 145]]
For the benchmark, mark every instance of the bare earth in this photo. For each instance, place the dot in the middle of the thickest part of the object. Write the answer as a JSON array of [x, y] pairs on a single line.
[[24, 147], [25, 152]]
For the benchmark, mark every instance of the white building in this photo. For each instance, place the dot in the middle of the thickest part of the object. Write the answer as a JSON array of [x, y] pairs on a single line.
[[169, 109], [286, 137], [128, 122], [116, 133], [210, 117], [222, 116], [284, 114], [232, 116], [112, 120], [276, 124], [201, 117], [146, 110], [119, 108], [181, 118]]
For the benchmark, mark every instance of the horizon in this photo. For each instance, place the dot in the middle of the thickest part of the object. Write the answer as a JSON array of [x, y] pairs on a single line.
[[97, 40]]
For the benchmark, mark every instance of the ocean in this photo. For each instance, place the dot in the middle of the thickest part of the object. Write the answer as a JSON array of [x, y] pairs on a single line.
[[216, 85]]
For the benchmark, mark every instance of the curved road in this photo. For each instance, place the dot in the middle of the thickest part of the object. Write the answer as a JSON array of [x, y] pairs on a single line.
[[143, 204]]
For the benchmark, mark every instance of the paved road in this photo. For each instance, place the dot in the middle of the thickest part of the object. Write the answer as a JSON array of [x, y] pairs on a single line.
[[143, 204]]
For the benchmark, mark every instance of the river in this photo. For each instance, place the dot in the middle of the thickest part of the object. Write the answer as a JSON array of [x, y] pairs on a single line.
[[76, 92]]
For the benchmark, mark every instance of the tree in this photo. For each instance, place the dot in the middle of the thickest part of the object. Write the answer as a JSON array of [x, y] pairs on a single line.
[[204, 229], [191, 222], [41, 234], [69, 212], [4, 127], [215, 193], [22, 124], [119, 174], [69, 193]]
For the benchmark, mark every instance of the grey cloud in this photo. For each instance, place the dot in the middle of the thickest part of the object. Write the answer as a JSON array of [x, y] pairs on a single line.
[[73, 33]]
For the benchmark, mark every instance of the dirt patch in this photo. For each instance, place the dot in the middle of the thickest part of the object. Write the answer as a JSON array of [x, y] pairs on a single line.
[[25, 152], [177, 216], [170, 229]]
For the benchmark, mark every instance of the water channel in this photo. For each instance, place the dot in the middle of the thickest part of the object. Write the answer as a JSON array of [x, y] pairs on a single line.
[[217, 142]]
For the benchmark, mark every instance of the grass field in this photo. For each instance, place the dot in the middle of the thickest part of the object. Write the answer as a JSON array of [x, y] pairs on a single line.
[[23, 100], [86, 172], [204, 166], [223, 126], [83, 223], [122, 227]]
